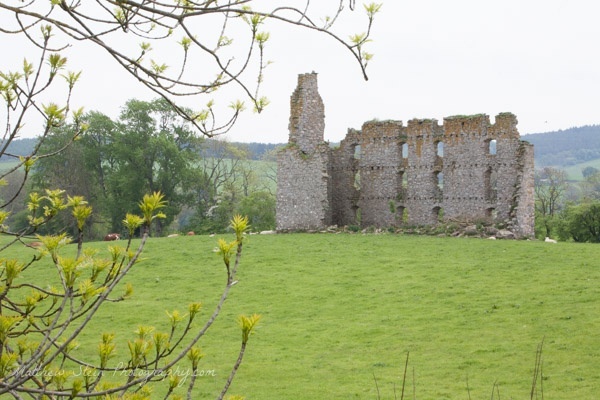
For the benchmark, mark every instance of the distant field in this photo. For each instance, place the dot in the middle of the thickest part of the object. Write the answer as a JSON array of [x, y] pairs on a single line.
[[574, 172], [341, 309], [6, 165]]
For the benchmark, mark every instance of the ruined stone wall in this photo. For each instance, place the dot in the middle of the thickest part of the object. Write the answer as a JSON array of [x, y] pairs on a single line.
[[379, 169], [388, 174], [345, 178], [524, 212], [423, 198]]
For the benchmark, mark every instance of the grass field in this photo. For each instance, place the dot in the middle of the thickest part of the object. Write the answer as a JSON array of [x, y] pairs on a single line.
[[340, 311], [575, 172]]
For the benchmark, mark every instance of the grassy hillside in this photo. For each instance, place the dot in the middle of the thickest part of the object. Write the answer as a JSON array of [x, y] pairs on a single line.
[[341, 309], [566, 147], [574, 171]]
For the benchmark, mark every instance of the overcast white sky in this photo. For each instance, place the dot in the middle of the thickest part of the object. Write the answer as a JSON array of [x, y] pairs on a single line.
[[538, 59]]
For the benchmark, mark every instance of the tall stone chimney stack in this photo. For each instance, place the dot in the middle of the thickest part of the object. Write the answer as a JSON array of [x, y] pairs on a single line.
[[307, 115]]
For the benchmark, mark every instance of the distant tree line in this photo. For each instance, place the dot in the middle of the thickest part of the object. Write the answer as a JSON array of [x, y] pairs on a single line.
[[558, 149], [18, 147], [254, 150], [566, 147], [150, 148]]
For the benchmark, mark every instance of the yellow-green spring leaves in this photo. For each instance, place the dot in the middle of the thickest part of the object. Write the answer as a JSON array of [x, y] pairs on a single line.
[[132, 222], [240, 225], [225, 249], [81, 211], [248, 324], [150, 205], [195, 355], [10, 270], [106, 348]]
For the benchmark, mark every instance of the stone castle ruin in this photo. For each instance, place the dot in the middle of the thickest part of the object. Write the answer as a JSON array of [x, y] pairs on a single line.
[[390, 175]]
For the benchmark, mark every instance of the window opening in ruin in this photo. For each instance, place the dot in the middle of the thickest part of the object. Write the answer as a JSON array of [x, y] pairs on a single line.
[[400, 212], [404, 181], [491, 184], [357, 180], [438, 214], [439, 178], [491, 213], [400, 184], [393, 208], [404, 215], [440, 149], [357, 152], [491, 147], [404, 150]]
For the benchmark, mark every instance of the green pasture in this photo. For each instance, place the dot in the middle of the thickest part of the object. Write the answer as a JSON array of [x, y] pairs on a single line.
[[341, 312], [574, 172], [7, 165]]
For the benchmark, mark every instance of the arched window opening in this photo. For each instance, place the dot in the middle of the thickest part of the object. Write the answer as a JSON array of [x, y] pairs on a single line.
[[439, 148], [491, 213], [404, 151], [438, 214], [491, 147]]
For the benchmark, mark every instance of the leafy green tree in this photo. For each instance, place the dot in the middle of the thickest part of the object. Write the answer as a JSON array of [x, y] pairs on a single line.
[[550, 188], [589, 171], [154, 149], [259, 207], [590, 187], [67, 172], [149, 149], [581, 222]]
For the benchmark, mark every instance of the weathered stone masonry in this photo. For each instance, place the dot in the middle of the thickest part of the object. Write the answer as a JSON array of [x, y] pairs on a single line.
[[388, 174]]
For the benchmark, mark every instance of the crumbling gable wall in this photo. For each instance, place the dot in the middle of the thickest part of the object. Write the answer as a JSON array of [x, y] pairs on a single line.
[[388, 174]]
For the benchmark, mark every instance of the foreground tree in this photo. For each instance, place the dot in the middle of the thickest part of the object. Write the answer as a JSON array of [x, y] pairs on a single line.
[[228, 39], [39, 325]]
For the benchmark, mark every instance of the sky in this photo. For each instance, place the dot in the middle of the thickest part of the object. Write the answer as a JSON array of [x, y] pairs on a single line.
[[538, 59]]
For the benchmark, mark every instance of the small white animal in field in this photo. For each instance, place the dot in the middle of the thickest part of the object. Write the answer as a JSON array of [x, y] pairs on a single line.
[[548, 240]]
